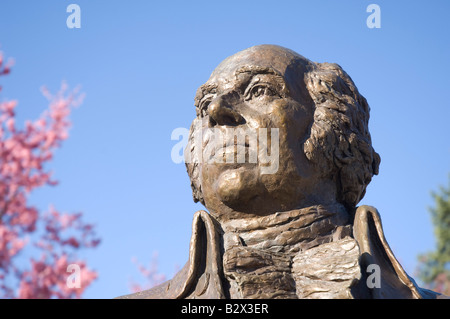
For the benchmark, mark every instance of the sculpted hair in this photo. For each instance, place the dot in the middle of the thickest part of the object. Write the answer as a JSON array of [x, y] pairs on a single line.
[[339, 141], [192, 165]]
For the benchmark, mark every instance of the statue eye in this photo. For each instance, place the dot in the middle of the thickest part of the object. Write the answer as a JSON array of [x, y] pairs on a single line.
[[260, 90]]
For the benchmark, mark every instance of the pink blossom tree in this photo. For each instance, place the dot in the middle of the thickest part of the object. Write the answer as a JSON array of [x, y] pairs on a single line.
[[52, 236], [150, 273]]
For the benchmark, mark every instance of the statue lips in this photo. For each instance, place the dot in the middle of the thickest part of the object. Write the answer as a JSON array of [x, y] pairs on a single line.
[[228, 157], [235, 149], [224, 152]]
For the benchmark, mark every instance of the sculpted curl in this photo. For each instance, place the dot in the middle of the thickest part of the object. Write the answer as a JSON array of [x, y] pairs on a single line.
[[340, 141]]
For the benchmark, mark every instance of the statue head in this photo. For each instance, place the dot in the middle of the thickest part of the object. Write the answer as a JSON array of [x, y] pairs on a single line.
[[308, 116]]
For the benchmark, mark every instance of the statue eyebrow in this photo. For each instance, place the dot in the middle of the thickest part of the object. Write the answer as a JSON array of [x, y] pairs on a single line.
[[207, 88], [203, 90], [253, 71]]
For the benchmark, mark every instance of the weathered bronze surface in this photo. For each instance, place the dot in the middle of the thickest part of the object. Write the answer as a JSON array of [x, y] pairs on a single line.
[[294, 232]]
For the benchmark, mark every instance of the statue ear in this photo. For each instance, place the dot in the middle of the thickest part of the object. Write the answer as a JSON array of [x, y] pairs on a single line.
[[376, 256], [204, 268]]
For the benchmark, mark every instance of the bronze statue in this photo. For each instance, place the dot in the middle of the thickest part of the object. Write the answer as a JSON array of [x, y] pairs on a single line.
[[284, 225]]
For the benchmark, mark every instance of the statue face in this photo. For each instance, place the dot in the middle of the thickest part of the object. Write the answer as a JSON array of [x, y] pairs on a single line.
[[258, 91]]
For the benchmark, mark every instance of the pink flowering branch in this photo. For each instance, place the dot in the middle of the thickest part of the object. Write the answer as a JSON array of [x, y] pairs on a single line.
[[24, 155], [151, 274]]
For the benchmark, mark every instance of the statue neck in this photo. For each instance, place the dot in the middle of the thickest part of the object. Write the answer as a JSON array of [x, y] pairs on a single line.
[[260, 251], [289, 231]]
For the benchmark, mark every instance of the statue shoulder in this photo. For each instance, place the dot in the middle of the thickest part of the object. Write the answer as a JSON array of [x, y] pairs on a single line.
[[201, 277], [394, 282]]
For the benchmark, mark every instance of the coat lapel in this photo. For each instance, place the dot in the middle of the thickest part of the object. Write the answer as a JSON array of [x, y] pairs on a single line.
[[394, 282]]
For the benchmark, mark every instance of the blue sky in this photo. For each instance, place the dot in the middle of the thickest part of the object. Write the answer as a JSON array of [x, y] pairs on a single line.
[[139, 64]]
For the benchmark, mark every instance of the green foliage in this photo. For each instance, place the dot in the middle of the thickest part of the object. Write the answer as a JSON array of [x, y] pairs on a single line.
[[434, 266]]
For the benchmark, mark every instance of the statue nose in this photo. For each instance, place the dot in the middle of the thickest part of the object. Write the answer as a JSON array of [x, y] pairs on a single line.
[[221, 113]]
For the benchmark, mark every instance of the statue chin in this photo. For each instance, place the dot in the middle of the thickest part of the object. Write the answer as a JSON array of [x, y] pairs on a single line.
[[236, 187]]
